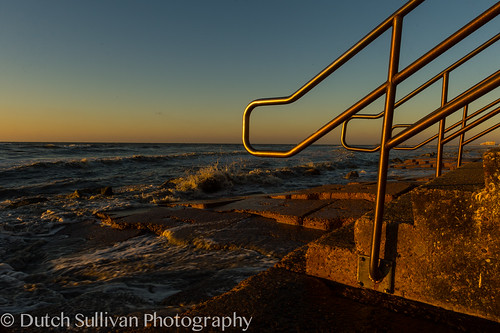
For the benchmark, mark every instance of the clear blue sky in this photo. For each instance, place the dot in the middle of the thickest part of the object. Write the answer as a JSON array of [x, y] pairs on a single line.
[[184, 71]]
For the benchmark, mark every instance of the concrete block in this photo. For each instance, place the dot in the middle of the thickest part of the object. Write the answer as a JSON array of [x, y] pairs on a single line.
[[205, 204], [469, 177], [361, 191], [153, 219], [334, 257], [255, 233], [445, 258], [398, 214], [282, 210], [455, 259], [337, 213], [159, 219], [214, 230]]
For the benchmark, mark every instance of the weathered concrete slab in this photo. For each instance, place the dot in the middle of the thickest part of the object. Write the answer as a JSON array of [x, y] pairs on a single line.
[[161, 219], [363, 191], [312, 213], [426, 163], [469, 177], [255, 233], [168, 216], [206, 204], [215, 230], [282, 210], [264, 235], [338, 213], [97, 235], [140, 219]]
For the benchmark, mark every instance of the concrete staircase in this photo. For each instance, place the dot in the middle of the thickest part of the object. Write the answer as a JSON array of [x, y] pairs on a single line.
[[440, 244]]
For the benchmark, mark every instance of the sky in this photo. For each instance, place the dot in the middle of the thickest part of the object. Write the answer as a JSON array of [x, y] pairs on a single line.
[[184, 71]]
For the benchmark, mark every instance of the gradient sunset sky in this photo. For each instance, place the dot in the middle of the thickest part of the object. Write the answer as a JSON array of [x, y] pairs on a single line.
[[184, 71]]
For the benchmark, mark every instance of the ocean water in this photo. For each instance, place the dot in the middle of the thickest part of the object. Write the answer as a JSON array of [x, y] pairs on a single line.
[[45, 187]]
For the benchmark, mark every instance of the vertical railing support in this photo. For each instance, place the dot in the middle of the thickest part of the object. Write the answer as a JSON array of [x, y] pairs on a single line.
[[442, 126], [462, 137], [390, 98]]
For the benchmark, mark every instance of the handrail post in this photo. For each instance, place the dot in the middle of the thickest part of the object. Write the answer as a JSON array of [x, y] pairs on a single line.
[[390, 98], [462, 137], [442, 126]]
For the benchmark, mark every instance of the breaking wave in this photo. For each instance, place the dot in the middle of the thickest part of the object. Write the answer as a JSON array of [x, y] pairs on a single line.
[[231, 178]]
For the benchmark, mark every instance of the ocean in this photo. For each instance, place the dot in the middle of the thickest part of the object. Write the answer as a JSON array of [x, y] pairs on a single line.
[[45, 187]]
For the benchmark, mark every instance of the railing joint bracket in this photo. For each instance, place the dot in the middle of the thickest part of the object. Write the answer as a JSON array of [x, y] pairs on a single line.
[[386, 267]]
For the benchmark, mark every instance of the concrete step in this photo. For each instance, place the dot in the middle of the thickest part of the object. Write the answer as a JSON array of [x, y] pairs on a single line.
[[441, 253], [426, 162], [469, 177], [325, 207], [282, 210], [364, 191]]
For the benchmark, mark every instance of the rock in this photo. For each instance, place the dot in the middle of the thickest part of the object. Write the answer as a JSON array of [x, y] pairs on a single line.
[[107, 190], [27, 201], [89, 192], [351, 175], [75, 195], [211, 184], [168, 184], [312, 172]]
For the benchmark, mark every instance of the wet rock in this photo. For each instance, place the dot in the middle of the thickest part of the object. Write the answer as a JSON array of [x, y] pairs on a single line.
[[27, 201], [76, 195], [351, 175], [17, 263], [284, 173], [212, 184], [88, 192], [312, 172], [168, 184], [107, 190]]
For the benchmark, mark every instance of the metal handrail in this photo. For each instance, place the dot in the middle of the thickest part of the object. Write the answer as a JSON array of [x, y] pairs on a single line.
[[445, 139], [364, 42], [458, 123], [486, 131], [388, 141], [432, 138], [474, 124], [473, 93], [412, 94], [460, 133]]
